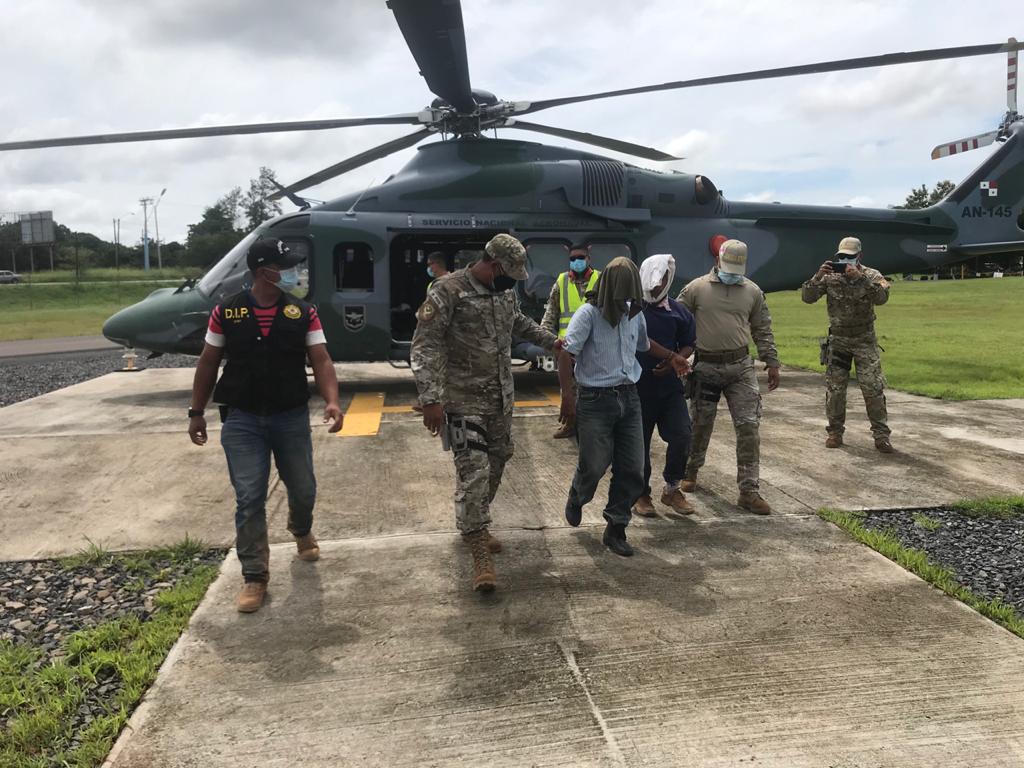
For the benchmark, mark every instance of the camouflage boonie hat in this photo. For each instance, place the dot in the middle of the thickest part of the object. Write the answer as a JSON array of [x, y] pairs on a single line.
[[510, 253]]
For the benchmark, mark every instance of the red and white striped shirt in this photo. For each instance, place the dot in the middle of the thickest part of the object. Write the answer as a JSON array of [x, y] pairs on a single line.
[[265, 318]]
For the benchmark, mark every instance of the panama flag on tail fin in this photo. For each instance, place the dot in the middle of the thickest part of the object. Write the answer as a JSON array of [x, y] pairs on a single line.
[[991, 188]]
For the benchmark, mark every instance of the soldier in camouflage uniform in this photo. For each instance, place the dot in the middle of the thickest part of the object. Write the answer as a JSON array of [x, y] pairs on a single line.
[[730, 310], [462, 363], [852, 297]]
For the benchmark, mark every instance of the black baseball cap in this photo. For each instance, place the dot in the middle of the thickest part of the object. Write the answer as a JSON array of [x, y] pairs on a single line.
[[270, 251]]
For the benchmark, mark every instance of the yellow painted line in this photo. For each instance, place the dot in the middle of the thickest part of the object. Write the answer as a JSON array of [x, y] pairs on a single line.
[[554, 396], [532, 404], [362, 418], [397, 409]]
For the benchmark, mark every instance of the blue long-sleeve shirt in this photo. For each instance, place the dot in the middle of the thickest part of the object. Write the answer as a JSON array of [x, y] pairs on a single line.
[[605, 356], [673, 328]]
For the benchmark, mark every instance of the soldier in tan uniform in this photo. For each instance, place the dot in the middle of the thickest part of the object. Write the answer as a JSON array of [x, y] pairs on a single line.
[[730, 310], [461, 360], [852, 297]]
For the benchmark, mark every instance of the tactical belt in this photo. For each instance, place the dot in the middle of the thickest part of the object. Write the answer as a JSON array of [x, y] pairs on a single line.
[[851, 330], [727, 356]]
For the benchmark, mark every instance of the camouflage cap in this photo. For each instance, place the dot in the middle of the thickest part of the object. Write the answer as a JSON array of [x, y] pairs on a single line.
[[510, 254], [848, 246], [732, 257]]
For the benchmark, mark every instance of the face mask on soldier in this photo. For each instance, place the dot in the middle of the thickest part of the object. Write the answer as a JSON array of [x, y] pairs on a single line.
[[729, 279]]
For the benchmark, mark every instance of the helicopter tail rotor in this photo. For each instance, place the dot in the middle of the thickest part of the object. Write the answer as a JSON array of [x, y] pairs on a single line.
[[1002, 133]]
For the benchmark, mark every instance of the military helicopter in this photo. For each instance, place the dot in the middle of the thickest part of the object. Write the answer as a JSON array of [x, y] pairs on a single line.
[[365, 252]]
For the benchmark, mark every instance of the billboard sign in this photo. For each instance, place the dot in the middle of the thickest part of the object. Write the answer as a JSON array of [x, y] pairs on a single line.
[[37, 228]]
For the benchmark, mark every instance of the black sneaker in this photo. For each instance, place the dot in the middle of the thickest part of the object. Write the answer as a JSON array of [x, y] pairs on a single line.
[[573, 512], [615, 540]]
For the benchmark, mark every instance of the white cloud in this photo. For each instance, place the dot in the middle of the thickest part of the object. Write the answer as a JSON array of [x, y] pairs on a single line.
[[119, 66]]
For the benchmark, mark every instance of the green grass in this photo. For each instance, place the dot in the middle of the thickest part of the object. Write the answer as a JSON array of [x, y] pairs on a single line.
[[916, 561], [109, 273], [928, 523], [40, 699], [994, 506], [48, 311], [953, 339]]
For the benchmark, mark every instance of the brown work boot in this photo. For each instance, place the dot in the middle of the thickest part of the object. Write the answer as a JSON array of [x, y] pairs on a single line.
[[645, 507], [678, 501], [834, 441], [689, 485], [251, 597], [566, 430], [484, 579], [493, 545], [752, 502], [307, 547], [882, 445]]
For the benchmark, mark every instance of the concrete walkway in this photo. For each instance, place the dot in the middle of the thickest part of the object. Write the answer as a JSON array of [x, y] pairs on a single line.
[[63, 344], [728, 640]]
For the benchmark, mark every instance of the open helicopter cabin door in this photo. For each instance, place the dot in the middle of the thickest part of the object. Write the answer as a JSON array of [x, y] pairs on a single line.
[[409, 278]]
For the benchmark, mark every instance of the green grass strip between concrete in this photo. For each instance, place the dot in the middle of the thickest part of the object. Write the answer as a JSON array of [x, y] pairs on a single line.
[[39, 700], [916, 561]]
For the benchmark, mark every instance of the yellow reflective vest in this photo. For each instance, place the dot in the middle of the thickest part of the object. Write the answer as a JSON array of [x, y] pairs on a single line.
[[569, 298]]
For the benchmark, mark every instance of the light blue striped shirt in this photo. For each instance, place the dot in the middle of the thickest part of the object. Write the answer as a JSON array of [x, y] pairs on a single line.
[[605, 356]]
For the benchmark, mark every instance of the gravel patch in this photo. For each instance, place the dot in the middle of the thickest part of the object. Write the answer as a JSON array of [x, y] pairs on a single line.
[[42, 602], [985, 553], [24, 378]]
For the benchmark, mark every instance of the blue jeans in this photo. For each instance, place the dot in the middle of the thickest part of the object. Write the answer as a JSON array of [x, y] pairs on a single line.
[[249, 440], [610, 433], [667, 411]]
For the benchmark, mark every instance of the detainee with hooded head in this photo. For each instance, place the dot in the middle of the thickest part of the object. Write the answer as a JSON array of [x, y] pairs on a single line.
[[267, 335], [602, 341], [730, 310], [662, 394]]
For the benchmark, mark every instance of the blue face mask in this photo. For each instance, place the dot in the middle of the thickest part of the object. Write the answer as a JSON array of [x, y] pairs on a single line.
[[729, 279], [289, 279], [579, 266], [430, 273]]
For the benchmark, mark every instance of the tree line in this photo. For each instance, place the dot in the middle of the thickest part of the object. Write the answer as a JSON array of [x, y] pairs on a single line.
[[221, 226]]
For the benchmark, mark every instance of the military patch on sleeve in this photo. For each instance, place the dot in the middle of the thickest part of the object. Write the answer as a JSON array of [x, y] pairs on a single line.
[[426, 311], [292, 312]]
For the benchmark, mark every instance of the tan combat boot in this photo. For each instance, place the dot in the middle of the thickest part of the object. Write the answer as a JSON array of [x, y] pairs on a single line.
[[493, 545], [834, 441], [307, 547], [752, 502], [678, 501], [645, 507], [689, 485], [251, 597], [484, 579]]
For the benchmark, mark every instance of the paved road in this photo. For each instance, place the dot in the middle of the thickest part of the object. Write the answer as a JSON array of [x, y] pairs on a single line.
[[63, 344]]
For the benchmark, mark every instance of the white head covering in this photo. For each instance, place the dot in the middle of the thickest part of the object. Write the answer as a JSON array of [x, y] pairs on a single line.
[[652, 271]]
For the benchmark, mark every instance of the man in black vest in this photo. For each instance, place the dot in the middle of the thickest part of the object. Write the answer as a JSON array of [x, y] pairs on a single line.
[[267, 335]]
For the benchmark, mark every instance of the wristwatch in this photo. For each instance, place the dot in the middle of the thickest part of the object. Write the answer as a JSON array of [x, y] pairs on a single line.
[[193, 412]]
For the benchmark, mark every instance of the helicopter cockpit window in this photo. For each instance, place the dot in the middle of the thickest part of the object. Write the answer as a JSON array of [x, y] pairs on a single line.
[[302, 247], [229, 275], [353, 267]]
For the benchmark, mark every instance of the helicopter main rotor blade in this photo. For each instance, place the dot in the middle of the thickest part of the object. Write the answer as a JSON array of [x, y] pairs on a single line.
[[222, 130], [382, 150], [617, 145], [434, 32], [933, 54]]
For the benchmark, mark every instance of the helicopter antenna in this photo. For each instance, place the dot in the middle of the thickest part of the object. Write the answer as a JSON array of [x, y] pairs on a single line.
[[352, 208]]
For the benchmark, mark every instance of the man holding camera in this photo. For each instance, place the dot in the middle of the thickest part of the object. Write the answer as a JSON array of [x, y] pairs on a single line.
[[853, 291]]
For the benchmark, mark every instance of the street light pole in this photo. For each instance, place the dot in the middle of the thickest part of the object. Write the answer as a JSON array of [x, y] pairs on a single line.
[[145, 202], [156, 223]]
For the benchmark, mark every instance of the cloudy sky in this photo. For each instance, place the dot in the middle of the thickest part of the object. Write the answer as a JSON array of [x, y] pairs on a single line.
[[862, 138]]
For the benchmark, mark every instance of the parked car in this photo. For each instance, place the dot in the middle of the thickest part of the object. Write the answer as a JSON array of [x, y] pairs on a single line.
[[6, 276]]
